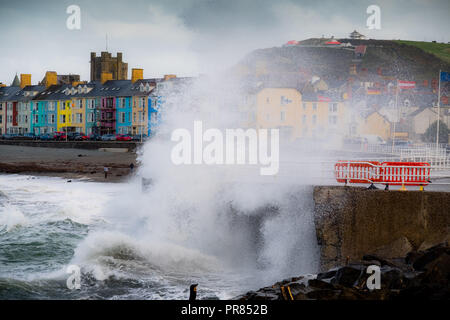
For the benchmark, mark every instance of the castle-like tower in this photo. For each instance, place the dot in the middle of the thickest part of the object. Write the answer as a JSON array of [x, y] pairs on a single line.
[[106, 63]]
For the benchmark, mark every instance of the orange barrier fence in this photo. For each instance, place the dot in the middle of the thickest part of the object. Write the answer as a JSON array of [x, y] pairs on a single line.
[[393, 173]]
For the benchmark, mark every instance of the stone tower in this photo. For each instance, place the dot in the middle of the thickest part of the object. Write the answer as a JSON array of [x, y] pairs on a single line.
[[106, 63]]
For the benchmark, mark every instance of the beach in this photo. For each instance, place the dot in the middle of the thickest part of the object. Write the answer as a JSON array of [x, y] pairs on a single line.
[[66, 163]]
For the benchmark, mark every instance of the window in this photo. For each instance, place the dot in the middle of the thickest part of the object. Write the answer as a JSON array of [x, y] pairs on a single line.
[[304, 106], [332, 120], [267, 100], [140, 116], [62, 118], [315, 106], [51, 106], [79, 118], [267, 117], [90, 117], [36, 118], [283, 115], [1, 118], [134, 117], [304, 119], [314, 119], [284, 100], [121, 117], [332, 107], [51, 119]]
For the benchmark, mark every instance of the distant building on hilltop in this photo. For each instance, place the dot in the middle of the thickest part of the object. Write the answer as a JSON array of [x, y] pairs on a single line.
[[106, 63], [356, 35]]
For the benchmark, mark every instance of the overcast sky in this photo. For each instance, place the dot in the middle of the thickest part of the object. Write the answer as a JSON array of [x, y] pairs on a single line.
[[188, 37]]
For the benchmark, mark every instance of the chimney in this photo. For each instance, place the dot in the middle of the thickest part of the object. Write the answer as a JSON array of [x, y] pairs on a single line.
[[106, 76], [75, 83], [169, 76], [137, 74], [25, 80], [51, 78]]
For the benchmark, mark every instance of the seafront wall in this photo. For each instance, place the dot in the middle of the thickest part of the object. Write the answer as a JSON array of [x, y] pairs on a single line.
[[352, 222], [89, 145]]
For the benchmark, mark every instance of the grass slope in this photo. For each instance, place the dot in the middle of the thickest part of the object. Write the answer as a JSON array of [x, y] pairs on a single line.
[[440, 50]]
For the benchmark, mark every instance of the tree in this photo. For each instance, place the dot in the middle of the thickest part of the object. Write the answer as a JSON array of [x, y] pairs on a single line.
[[430, 133]]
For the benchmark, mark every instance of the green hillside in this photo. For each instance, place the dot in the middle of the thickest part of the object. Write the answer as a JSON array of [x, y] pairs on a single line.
[[407, 60], [440, 50]]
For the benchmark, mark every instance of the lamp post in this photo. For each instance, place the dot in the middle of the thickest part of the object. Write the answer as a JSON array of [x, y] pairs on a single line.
[[438, 114]]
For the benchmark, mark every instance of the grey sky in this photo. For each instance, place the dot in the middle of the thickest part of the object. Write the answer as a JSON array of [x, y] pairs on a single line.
[[187, 37]]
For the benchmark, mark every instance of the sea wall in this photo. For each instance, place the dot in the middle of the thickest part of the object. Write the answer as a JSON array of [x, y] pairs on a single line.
[[89, 145], [352, 222]]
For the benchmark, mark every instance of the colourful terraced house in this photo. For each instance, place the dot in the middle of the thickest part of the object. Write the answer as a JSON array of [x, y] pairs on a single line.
[[91, 106], [64, 115], [123, 115], [45, 110]]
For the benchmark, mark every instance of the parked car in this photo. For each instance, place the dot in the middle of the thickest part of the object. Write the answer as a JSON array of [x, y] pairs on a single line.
[[46, 137], [29, 136], [60, 136], [402, 143], [137, 137], [94, 137], [123, 137], [81, 137], [10, 136], [109, 137], [72, 135]]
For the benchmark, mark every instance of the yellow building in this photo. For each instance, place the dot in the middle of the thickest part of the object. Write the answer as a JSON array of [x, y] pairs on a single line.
[[64, 116], [138, 122], [78, 107], [299, 116], [375, 124]]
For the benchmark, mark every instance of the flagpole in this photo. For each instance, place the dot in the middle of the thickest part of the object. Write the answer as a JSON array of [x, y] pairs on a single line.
[[439, 114], [396, 108]]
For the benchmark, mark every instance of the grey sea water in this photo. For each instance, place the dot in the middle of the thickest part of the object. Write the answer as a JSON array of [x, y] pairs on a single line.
[[48, 224]]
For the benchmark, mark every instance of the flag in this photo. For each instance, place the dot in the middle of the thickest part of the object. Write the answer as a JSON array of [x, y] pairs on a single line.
[[406, 84], [373, 91], [323, 99], [445, 76]]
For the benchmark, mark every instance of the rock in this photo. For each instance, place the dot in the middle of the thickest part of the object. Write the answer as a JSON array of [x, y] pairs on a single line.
[[374, 259], [423, 258], [430, 280], [320, 284], [397, 248], [348, 276], [326, 275]]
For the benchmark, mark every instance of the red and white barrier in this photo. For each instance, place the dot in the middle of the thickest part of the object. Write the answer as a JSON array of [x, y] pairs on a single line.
[[392, 173]]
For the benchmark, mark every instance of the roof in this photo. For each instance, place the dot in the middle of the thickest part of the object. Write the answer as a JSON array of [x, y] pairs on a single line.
[[16, 82], [9, 93], [54, 92], [420, 110]]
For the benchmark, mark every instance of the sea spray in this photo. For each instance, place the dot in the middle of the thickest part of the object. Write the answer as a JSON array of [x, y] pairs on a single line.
[[186, 221]]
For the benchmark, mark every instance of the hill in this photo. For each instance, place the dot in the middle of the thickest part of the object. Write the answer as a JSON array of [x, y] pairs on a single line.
[[397, 59], [440, 50]]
